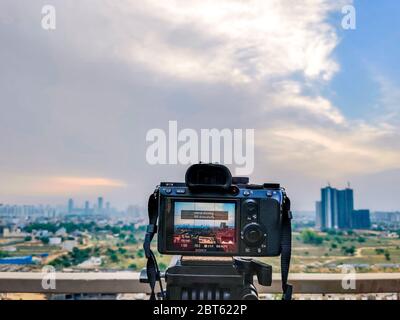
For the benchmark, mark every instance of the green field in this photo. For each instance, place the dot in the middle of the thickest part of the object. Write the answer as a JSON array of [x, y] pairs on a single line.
[[312, 252], [369, 249]]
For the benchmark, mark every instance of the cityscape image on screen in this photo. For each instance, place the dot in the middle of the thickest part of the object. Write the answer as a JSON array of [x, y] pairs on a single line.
[[204, 226]]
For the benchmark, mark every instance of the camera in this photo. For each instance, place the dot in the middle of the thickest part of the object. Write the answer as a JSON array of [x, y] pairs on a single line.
[[213, 214]]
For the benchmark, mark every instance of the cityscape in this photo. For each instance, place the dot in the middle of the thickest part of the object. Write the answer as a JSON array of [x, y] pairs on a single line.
[[30, 236], [95, 236]]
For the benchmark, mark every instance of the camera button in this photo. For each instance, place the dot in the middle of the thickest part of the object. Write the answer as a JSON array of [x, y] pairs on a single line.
[[168, 190], [180, 191], [246, 193]]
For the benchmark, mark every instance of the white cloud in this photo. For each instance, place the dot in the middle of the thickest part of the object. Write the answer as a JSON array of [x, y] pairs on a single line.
[[289, 95], [330, 152], [227, 40]]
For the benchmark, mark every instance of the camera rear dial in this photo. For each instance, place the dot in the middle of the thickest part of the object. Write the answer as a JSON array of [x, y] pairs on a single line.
[[253, 235]]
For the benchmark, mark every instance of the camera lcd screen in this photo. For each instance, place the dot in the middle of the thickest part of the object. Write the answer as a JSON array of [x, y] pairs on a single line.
[[204, 227]]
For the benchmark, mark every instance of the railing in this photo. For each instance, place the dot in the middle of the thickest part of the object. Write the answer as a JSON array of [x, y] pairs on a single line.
[[128, 282]]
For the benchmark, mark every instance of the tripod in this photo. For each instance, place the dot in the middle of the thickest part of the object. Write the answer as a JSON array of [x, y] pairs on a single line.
[[214, 279]]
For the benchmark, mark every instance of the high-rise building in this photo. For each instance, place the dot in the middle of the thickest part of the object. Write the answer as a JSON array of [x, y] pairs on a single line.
[[329, 208], [335, 209], [318, 222], [361, 219], [345, 208], [87, 207], [70, 206], [100, 203]]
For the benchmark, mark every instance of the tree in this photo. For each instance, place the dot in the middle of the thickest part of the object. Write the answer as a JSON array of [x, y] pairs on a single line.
[[114, 257], [338, 239], [110, 251], [349, 250], [331, 232], [45, 240], [140, 253], [122, 250], [131, 239], [28, 238], [311, 237], [387, 255], [162, 266], [132, 266]]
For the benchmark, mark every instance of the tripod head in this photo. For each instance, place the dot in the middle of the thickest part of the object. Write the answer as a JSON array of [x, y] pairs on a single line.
[[248, 268], [214, 279], [251, 267]]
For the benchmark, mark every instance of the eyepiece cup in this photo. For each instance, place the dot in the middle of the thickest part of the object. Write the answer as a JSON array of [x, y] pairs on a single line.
[[208, 177]]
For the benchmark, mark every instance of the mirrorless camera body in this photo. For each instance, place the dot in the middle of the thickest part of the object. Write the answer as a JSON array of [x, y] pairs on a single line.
[[213, 214]]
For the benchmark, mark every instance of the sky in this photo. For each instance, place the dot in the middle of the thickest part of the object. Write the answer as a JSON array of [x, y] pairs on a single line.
[[76, 102]]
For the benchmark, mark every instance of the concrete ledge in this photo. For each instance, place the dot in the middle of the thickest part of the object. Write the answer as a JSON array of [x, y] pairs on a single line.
[[128, 282]]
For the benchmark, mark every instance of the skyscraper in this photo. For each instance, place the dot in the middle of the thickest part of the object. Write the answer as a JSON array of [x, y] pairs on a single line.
[[100, 203], [87, 207], [70, 206], [318, 222], [329, 208], [345, 208], [335, 209], [361, 219]]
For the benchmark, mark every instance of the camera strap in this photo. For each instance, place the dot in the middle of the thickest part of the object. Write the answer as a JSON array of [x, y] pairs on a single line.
[[286, 249], [153, 272]]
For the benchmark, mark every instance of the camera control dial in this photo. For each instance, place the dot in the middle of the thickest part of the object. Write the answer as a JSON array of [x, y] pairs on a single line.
[[253, 234]]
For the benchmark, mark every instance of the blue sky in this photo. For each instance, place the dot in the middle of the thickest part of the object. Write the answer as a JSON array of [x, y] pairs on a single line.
[[370, 51], [78, 101]]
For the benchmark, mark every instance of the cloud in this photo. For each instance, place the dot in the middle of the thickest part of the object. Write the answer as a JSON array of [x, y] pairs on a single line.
[[308, 133], [289, 96], [231, 41], [325, 153], [30, 185], [78, 101]]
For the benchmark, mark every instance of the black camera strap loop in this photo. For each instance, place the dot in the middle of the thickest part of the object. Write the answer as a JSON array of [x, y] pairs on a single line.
[[153, 272], [286, 249]]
